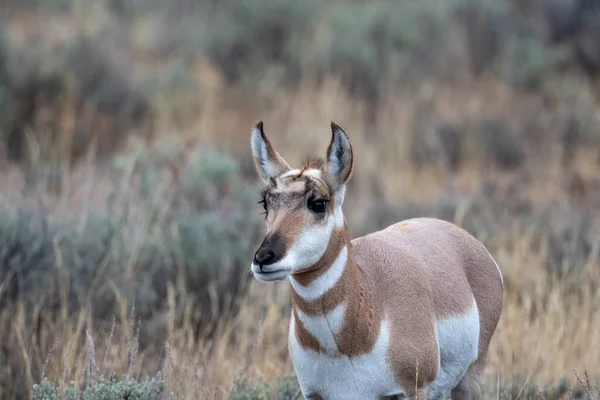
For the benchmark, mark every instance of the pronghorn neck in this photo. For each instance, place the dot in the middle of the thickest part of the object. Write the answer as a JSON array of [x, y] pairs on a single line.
[[332, 260], [331, 302]]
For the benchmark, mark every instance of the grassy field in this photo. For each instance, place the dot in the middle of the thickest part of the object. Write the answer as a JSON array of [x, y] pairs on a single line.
[[128, 213]]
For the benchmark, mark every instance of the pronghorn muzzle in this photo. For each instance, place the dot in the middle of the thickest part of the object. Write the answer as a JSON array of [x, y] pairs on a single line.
[[270, 251]]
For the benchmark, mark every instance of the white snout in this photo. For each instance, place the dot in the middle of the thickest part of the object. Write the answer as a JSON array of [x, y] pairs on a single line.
[[269, 273]]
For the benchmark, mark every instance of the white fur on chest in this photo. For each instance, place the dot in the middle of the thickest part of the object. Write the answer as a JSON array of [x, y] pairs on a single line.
[[325, 327], [366, 377]]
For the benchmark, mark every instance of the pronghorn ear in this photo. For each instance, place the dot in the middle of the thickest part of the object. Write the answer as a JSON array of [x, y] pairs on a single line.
[[339, 157], [268, 162]]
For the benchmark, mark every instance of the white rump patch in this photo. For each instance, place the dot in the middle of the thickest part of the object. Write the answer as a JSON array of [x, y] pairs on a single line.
[[322, 284], [325, 327], [367, 377], [458, 342]]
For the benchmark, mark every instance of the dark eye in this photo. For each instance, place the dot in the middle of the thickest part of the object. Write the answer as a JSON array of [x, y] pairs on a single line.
[[317, 206], [264, 203]]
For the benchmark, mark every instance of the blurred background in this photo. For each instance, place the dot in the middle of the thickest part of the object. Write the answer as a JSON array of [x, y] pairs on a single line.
[[128, 197]]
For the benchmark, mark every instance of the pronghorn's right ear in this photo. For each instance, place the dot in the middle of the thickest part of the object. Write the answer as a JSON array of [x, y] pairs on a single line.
[[268, 162], [339, 157]]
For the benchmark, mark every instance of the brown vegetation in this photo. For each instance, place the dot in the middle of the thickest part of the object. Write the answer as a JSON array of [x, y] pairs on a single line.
[[129, 180]]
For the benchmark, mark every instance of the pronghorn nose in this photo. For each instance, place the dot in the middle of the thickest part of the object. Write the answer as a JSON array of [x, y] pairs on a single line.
[[270, 251], [264, 257]]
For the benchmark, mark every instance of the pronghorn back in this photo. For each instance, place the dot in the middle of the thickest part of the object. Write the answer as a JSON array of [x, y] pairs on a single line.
[[427, 267], [406, 311]]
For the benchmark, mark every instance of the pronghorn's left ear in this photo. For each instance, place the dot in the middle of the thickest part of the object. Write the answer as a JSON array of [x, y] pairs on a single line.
[[268, 162], [339, 157]]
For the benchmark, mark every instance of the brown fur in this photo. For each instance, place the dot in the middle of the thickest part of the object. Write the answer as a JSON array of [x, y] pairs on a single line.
[[289, 225], [305, 338], [433, 269], [404, 227], [412, 275]]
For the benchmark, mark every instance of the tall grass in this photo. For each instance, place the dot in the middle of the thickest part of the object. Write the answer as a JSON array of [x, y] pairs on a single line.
[[547, 252], [128, 183]]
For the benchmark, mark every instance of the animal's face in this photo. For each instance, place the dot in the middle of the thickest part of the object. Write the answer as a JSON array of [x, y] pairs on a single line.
[[302, 206]]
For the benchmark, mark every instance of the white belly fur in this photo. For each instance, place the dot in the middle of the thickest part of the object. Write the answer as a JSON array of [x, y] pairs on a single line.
[[458, 341], [366, 377]]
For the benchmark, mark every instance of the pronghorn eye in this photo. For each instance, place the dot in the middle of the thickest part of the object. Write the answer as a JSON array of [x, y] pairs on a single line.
[[264, 203], [317, 206]]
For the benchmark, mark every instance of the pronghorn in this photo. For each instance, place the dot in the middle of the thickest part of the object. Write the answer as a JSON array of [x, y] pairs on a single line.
[[408, 311]]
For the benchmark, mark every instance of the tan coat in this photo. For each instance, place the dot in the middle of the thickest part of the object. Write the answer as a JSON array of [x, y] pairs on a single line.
[[409, 310]]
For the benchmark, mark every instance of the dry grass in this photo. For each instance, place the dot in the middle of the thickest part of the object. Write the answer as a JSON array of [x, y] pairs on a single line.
[[250, 345], [550, 320], [548, 326], [253, 344]]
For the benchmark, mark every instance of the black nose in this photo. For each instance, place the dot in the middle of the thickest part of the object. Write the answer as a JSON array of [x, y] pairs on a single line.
[[264, 256], [270, 251]]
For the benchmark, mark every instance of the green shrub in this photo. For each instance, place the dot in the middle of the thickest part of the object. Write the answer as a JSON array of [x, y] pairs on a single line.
[[529, 62], [4, 54], [485, 25], [372, 45], [246, 37], [43, 86], [27, 262], [101, 389], [284, 388], [175, 93], [198, 231], [500, 144]]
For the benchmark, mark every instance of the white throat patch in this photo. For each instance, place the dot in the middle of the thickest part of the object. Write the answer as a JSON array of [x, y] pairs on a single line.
[[322, 284]]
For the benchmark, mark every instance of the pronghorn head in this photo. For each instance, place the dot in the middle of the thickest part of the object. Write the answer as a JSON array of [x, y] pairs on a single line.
[[302, 206]]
